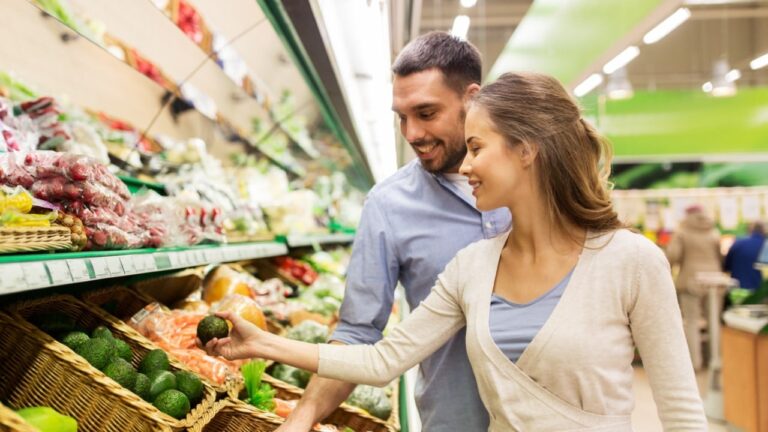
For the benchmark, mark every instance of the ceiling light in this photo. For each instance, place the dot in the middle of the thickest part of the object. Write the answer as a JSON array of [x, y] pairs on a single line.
[[666, 26], [759, 62], [460, 26], [588, 85], [618, 86], [707, 87], [468, 3], [622, 59], [733, 75]]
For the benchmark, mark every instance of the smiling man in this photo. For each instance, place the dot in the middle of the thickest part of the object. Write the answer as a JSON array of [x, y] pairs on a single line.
[[413, 223]]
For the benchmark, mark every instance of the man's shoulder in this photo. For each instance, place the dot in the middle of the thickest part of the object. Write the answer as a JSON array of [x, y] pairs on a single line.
[[410, 176]]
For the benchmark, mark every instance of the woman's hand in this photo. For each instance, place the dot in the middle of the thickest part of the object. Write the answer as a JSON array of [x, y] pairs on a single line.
[[242, 343]]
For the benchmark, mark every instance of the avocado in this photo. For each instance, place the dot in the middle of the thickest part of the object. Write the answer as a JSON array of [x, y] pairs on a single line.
[[189, 384], [122, 372], [160, 381], [101, 332], [47, 419], [122, 349], [212, 327], [155, 360], [141, 386], [55, 323], [173, 402], [97, 351], [75, 339]]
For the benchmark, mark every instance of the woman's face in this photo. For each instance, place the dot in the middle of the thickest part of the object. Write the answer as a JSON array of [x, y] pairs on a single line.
[[495, 169]]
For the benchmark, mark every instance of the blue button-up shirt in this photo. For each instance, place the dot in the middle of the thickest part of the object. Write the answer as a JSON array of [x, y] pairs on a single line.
[[412, 225]]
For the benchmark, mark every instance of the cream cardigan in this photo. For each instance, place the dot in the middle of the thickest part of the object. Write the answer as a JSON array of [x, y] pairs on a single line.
[[576, 374]]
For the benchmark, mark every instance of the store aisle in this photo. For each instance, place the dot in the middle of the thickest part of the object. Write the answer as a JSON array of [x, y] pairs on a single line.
[[645, 417]]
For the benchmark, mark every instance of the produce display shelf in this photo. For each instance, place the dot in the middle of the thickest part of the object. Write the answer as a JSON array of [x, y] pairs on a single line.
[[34, 271], [315, 239]]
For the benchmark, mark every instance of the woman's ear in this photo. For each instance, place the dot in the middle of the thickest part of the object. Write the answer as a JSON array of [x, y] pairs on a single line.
[[528, 153]]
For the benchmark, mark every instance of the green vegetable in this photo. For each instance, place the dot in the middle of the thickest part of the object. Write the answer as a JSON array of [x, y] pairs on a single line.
[[102, 332], [189, 384], [291, 375], [173, 402], [122, 349], [97, 351], [75, 340], [308, 331], [260, 394], [46, 419], [160, 381], [155, 360], [141, 386], [372, 399], [212, 327], [122, 372]]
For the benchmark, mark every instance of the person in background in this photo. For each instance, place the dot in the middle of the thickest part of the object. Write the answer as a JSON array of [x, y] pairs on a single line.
[[694, 247], [412, 224], [553, 308], [742, 256]]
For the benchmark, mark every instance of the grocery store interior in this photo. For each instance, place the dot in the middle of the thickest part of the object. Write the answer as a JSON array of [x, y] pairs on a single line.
[[164, 161]]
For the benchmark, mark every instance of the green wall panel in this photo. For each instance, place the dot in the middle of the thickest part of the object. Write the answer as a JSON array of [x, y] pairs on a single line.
[[563, 38], [683, 122]]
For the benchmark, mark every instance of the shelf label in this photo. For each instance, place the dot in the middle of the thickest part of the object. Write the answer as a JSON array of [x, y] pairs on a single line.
[[59, 272], [100, 267], [78, 270], [200, 257], [115, 268], [13, 278], [35, 275], [127, 263], [149, 262]]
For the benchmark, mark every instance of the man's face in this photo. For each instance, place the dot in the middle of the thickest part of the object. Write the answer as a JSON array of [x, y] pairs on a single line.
[[431, 119]]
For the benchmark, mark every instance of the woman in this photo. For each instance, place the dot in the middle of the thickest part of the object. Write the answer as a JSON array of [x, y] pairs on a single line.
[[554, 308]]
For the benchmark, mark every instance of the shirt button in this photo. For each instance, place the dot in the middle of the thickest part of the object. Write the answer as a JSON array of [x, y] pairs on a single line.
[[488, 225]]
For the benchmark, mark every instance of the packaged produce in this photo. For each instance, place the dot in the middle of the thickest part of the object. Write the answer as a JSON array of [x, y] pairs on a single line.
[[375, 400], [242, 306], [259, 394], [224, 280], [309, 331]]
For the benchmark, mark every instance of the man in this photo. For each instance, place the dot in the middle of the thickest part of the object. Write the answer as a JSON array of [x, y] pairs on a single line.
[[741, 258], [413, 223]]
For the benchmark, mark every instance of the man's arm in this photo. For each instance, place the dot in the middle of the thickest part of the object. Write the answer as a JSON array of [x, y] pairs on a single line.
[[320, 398]]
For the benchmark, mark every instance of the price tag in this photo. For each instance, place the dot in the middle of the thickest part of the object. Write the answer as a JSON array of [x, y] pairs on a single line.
[[36, 275], [115, 268], [100, 267], [78, 270], [149, 263], [209, 256], [127, 263], [174, 258], [13, 278], [200, 257], [59, 272]]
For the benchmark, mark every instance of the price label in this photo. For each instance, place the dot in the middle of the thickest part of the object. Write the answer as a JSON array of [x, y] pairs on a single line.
[[175, 259], [78, 270], [149, 263], [127, 263], [115, 268], [13, 278], [59, 272], [200, 257], [100, 267], [36, 275]]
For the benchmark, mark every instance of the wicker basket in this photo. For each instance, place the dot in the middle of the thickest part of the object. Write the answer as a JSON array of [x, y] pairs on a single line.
[[87, 317], [236, 416], [12, 422], [171, 288], [29, 239], [344, 415]]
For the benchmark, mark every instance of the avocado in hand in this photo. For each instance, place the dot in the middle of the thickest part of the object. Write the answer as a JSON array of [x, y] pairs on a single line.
[[212, 327]]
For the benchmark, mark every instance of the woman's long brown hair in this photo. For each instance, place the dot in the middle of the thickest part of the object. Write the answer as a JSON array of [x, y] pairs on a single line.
[[573, 162]]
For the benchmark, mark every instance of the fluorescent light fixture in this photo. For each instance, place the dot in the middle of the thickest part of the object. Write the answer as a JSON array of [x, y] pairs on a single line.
[[723, 91], [759, 62], [707, 87], [621, 60], [665, 27], [588, 85], [460, 26], [468, 3], [733, 75]]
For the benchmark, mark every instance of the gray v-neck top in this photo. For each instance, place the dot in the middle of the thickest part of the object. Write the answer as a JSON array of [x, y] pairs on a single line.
[[513, 325]]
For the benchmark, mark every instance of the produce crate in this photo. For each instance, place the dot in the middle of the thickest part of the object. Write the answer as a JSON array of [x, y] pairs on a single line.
[[88, 317], [236, 416], [31, 239], [12, 422], [344, 415]]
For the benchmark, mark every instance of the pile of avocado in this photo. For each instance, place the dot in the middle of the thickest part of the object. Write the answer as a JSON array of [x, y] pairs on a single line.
[[171, 392]]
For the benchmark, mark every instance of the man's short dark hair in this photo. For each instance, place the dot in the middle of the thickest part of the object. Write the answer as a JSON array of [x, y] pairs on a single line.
[[457, 59]]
